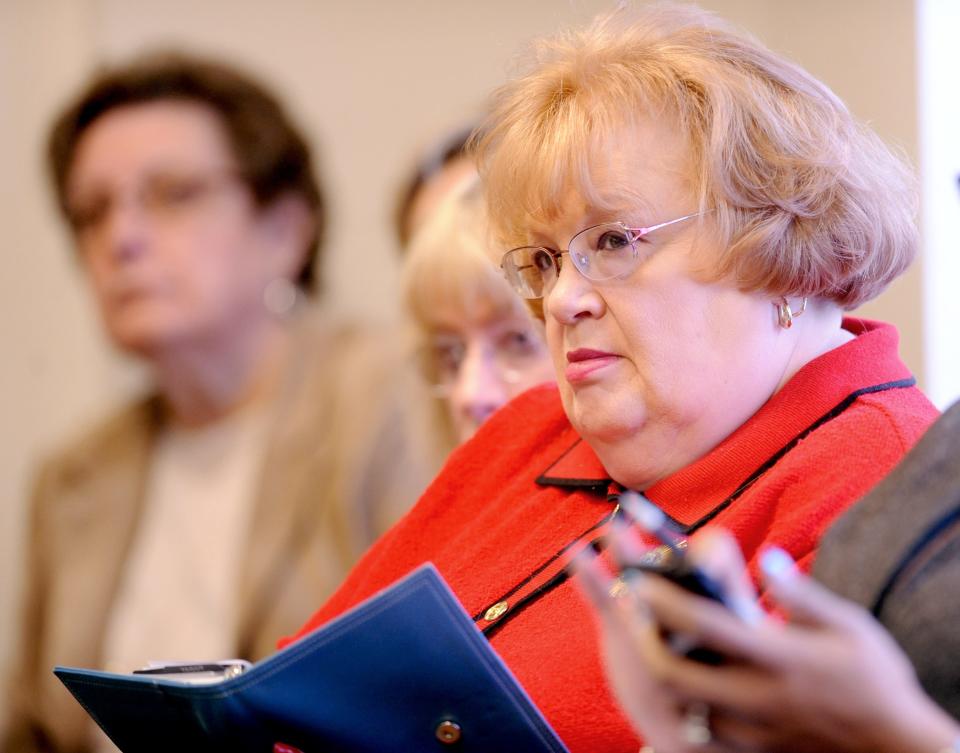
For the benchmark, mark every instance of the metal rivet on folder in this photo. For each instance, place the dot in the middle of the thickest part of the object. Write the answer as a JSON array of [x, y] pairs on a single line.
[[448, 732], [495, 611]]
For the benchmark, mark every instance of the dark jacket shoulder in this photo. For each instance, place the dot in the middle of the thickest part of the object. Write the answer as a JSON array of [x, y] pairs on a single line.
[[897, 553]]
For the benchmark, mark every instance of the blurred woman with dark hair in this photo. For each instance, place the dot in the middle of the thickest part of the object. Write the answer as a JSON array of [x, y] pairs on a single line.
[[206, 518]]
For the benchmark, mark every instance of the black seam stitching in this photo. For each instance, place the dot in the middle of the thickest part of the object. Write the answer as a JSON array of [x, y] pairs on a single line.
[[562, 576], [778, 456], [540, 591], [606, 518], [544, 480], [574, 483], [557, 579]]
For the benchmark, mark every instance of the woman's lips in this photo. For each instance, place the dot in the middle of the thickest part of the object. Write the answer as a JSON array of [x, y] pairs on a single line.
[[583, 362]]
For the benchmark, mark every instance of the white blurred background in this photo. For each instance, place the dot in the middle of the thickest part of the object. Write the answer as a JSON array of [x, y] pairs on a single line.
[[373, 82]]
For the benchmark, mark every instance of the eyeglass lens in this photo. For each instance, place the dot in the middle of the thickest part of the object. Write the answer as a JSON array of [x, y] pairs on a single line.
[[511, 352], [162, 195], [599, 253]]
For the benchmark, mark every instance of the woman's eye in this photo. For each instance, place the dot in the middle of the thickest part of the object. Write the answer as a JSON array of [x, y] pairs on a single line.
[[84, 216], [448, 356], [542, 260], [519, 342], [173, 193], [612, 241]]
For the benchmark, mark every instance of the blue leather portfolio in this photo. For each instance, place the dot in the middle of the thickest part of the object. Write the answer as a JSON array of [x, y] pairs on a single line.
[[404, 671]]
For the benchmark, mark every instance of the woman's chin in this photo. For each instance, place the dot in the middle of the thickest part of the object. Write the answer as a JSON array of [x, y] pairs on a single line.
[[602, 420], [146, 337]]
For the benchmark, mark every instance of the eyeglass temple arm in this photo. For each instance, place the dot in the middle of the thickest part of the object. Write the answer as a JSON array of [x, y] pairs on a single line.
[[641, 231]]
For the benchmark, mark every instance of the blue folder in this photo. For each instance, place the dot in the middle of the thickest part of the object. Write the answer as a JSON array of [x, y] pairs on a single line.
[[405, 671]]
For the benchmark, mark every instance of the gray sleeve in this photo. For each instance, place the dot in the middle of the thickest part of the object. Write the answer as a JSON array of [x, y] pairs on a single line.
[[897, 553]]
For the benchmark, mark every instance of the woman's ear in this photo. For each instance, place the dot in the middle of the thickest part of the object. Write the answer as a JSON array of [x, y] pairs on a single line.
[[288, 228]]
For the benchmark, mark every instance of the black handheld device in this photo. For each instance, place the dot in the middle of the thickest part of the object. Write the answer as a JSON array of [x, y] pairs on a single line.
[[675, 567]]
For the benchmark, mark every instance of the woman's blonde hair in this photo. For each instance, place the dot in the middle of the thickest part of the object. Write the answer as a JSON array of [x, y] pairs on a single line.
[[449, 264], [807, 201]]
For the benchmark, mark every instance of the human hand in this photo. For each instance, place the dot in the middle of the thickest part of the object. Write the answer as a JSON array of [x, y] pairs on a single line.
[[831, 679], [634, 643], [834, 678]]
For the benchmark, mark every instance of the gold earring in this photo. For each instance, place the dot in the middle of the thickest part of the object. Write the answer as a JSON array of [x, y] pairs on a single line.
[[785, 315]]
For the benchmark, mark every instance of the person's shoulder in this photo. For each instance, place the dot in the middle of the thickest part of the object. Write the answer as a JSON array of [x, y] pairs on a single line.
[[897, 417], [95, 444], [923, 488], [834, 465], [322, 326], [859, 445], [881, 406], [895, 553], [344, 354]]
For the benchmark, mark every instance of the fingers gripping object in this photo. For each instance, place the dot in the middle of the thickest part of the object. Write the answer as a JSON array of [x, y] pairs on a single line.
[[676, 568]]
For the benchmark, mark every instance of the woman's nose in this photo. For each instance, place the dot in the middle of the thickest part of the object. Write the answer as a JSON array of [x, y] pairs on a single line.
[[480, 387], [572, 296], [124, 233]]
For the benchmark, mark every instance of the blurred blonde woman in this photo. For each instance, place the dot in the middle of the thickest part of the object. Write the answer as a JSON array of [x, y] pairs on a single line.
[[477, 344]]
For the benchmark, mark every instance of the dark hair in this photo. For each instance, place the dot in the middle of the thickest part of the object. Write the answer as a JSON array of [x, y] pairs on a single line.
[[273, 157], [448, 150]]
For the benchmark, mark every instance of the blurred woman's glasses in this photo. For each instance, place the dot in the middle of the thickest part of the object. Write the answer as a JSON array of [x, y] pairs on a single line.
[[600, 252], [164, 196], [512, 351]]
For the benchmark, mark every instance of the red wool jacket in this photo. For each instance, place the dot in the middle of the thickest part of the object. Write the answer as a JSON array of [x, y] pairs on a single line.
[[497, 520]]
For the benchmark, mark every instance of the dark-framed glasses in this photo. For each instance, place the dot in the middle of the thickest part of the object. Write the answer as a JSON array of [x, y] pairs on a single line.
[[600, 252], [163, 195]]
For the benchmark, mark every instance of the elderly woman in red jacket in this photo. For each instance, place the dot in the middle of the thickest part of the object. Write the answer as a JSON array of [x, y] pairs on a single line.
[[694, 214]]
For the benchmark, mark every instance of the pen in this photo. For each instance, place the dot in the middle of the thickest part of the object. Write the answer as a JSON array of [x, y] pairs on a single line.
[[651, 519]]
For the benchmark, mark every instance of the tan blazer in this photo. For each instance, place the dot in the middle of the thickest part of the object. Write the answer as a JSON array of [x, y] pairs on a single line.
[[340, 468]]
